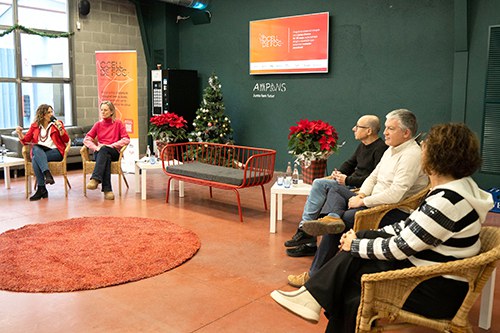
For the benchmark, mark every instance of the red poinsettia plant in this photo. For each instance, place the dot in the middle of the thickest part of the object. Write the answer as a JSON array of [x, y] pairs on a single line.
[[168, 127], [312, 140]]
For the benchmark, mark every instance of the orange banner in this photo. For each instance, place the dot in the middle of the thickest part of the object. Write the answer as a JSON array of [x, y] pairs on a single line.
[[294, 44], [117, 83]]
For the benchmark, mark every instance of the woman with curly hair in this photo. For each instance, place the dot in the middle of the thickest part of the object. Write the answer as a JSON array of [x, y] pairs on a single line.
[[444, 227], [48, 138]]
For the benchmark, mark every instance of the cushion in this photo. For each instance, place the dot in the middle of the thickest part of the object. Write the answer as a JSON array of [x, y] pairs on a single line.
[[215, 173], [78, 142], [209, 172]]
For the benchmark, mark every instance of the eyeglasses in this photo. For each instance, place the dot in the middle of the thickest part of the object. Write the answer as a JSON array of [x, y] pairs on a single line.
[[359, 126]]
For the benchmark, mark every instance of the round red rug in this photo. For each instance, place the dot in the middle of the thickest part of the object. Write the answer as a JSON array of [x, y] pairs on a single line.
[[91, 252]]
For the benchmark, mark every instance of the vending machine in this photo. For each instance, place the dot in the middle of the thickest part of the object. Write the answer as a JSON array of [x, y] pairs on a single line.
[[175, 90]]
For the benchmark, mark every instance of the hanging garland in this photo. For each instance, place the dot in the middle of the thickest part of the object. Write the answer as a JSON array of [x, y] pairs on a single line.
[[35, 32]]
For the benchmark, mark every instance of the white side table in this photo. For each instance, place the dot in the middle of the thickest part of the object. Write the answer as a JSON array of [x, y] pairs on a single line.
[[277, 192], [142, 167], [6, 164]]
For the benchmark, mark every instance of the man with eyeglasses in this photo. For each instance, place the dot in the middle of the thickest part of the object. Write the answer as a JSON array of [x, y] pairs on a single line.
[[350, 174], [398, 176]]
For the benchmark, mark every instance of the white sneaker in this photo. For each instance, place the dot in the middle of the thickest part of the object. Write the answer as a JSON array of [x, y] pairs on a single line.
[[300, 302]]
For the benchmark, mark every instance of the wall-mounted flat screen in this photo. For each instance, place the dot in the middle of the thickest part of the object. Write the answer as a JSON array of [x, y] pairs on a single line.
[[288, 45]]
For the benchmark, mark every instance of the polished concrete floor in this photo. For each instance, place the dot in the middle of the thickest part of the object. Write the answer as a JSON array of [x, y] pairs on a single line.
[[224, 288]]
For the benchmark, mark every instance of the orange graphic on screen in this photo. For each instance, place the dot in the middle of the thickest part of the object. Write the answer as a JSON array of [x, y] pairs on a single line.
[[290, 44]]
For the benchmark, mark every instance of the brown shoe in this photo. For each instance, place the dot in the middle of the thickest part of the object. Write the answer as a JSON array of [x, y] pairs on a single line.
[[324, 225], [298, 280], [109, 195], [92, 184]]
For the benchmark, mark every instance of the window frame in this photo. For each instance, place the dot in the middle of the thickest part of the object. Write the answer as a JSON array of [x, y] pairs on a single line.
[[21, 79]]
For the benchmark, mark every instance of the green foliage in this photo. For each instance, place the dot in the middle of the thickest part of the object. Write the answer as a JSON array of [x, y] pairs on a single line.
[[210, 123], [34, 32]]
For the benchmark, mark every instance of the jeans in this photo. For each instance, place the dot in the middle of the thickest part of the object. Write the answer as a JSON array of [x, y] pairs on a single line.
[[321, 199], [41, 156], [102, 169]]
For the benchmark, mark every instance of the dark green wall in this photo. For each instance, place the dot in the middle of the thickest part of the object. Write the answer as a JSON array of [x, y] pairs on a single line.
[[383, 55]]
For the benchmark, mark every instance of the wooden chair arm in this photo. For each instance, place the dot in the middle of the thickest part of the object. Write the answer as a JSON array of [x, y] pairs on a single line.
[[384, 294], [84, 152], [66, 149], [26, 153], [370, 218], [122, 150]]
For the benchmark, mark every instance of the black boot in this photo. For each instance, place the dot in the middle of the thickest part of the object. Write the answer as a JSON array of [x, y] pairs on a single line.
[[48, 177], [41, 192], [301, 237]]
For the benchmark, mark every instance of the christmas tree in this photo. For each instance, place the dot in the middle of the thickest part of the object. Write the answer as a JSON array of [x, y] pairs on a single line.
[[210, 123]]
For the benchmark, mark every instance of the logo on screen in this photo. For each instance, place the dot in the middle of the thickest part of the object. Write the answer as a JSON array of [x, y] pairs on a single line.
[[270, 41]]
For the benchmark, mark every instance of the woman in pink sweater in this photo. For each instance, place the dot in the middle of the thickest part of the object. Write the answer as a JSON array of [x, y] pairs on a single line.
[[106, 138]]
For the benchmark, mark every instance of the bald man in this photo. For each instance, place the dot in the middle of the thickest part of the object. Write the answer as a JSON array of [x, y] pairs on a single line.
[[350, 174]]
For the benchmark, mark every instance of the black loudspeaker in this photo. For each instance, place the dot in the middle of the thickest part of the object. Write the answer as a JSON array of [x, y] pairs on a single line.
[[201, 17], [83, 7]]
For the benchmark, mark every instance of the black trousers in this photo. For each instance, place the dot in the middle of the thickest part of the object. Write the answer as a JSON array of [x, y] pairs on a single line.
[[337, 287], [329, 245], [102, 169]]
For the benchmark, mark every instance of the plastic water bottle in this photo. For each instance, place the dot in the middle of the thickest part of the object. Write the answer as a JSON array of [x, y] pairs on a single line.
[[288, 176], [152, 158], [288, 172], [295, 175]]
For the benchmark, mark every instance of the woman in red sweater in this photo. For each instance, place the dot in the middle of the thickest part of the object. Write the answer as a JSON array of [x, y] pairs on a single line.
[[106, 138], [48, 139]]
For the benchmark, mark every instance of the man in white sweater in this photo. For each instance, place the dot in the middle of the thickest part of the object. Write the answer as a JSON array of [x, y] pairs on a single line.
[[397, 176]]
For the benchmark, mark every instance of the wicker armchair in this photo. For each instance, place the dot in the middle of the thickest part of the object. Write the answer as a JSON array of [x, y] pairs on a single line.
[[88, 166], [383, 294], [56, 168], [370, 218]]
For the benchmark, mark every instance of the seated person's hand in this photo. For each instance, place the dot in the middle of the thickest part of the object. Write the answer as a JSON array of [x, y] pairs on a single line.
[[340, 178], [58, 124], [356, 202], [346, 240]]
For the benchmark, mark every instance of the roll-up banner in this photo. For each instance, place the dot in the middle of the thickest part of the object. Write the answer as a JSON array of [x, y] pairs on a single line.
[[117, 83]]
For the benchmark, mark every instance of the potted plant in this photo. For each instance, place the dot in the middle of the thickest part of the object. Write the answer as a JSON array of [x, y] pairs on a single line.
[[167, 128], [312, 142]]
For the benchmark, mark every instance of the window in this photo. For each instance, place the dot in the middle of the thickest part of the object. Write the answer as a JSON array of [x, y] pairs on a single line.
[[491, 124], [39, 72]]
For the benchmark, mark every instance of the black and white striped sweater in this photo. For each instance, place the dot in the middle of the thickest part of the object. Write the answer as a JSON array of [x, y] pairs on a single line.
[[445, 227]]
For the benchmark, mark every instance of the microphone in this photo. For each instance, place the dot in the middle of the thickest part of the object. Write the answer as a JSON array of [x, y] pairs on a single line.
[[53, 120]]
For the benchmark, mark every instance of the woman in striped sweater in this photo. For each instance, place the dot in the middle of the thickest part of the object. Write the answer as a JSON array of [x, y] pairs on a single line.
[[445, 227]]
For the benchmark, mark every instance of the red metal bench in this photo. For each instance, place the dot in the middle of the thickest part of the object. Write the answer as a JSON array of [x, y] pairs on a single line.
[[227, 167]]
